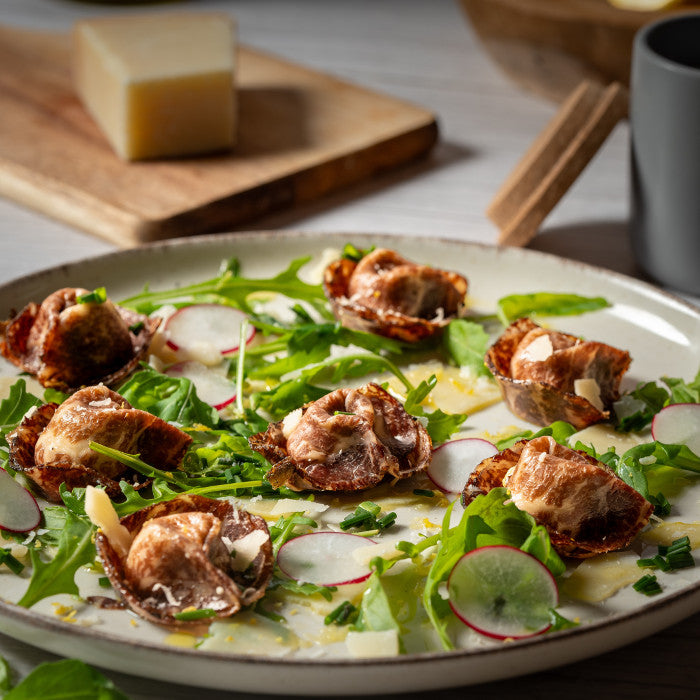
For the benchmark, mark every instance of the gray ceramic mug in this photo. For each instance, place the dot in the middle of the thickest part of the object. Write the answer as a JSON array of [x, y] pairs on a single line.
[[665, 151]]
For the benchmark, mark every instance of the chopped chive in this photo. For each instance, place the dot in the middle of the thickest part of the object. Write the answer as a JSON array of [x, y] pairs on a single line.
[[682, 543], [386, 520], [368, 533], [370, 507], [648, 585], [13, 564], [188, 615], [655, 562], [97, 296], [104, 582], [340, 615], [343, 413], [354, 520], [680, 560], [366, 518], [423, 492], [677, 555]]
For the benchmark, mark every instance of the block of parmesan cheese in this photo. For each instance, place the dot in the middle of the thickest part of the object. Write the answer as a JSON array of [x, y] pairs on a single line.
[[159, 85]]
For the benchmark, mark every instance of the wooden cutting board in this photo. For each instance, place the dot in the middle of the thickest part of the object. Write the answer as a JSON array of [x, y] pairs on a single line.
[[550, 46], [302, 134]]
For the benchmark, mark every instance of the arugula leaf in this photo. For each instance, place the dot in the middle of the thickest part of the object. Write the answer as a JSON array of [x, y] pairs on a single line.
[[5, 677], [312, 343], [355, 254], [489, 519], [453, 543], [173, 399], [97, 296], [301, 588], [13, 408], [559, 622], [514, 306], [635, 410], [376, 612], [288, 527], [230, 289], [560, 430], [68, 678], [467, 343], [309, 384], [681, 391], [75, 549], [440, 425]]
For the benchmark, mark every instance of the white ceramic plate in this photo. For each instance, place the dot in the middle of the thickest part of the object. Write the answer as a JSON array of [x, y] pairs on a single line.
[[661, 332]]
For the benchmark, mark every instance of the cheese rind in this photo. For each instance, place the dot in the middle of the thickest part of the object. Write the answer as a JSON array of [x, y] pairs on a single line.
[[159, 85]]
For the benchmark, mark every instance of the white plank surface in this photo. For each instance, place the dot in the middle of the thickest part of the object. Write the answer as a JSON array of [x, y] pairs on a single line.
[[423, 51]]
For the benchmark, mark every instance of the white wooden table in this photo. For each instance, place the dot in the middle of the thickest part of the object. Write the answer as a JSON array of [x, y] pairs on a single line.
[[424, 52]]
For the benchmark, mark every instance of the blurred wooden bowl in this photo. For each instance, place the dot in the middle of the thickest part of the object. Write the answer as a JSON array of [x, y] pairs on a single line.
[[550, 46]]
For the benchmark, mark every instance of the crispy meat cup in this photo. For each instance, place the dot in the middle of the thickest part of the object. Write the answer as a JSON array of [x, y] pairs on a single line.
[[539, 372], [585, 507], [67, 345], [190, 553], [388, 295], [348, 440], [51, 444]]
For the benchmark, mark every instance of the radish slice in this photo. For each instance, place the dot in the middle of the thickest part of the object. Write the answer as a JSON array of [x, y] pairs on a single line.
[[206, 329], [19, 511], [213, 388], [678, 424], [324, 558], [502, 592], [454, 461]]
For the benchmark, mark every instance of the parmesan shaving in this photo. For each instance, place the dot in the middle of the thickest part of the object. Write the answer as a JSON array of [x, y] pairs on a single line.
[[101, 512], [539, 349], [589, 389], [244, 550], [373, 644], [293, 505], [290, 422]]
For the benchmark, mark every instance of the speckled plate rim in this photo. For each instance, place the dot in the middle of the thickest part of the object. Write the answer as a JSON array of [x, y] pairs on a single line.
[[366, 676]]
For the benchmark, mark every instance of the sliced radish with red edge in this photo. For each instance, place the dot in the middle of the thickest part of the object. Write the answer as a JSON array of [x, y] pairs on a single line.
[[212, 387], [324, 558], [454, 461], [503, 592], [214, 325], [678, 424], [19, 511]]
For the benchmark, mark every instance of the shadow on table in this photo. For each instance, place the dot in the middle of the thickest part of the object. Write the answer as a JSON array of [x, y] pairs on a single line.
[[443, 155], [603, 244]]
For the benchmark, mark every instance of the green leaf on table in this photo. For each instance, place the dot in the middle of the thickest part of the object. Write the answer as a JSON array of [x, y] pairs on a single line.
[[514, 306], [75, 548], [68, 678]]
